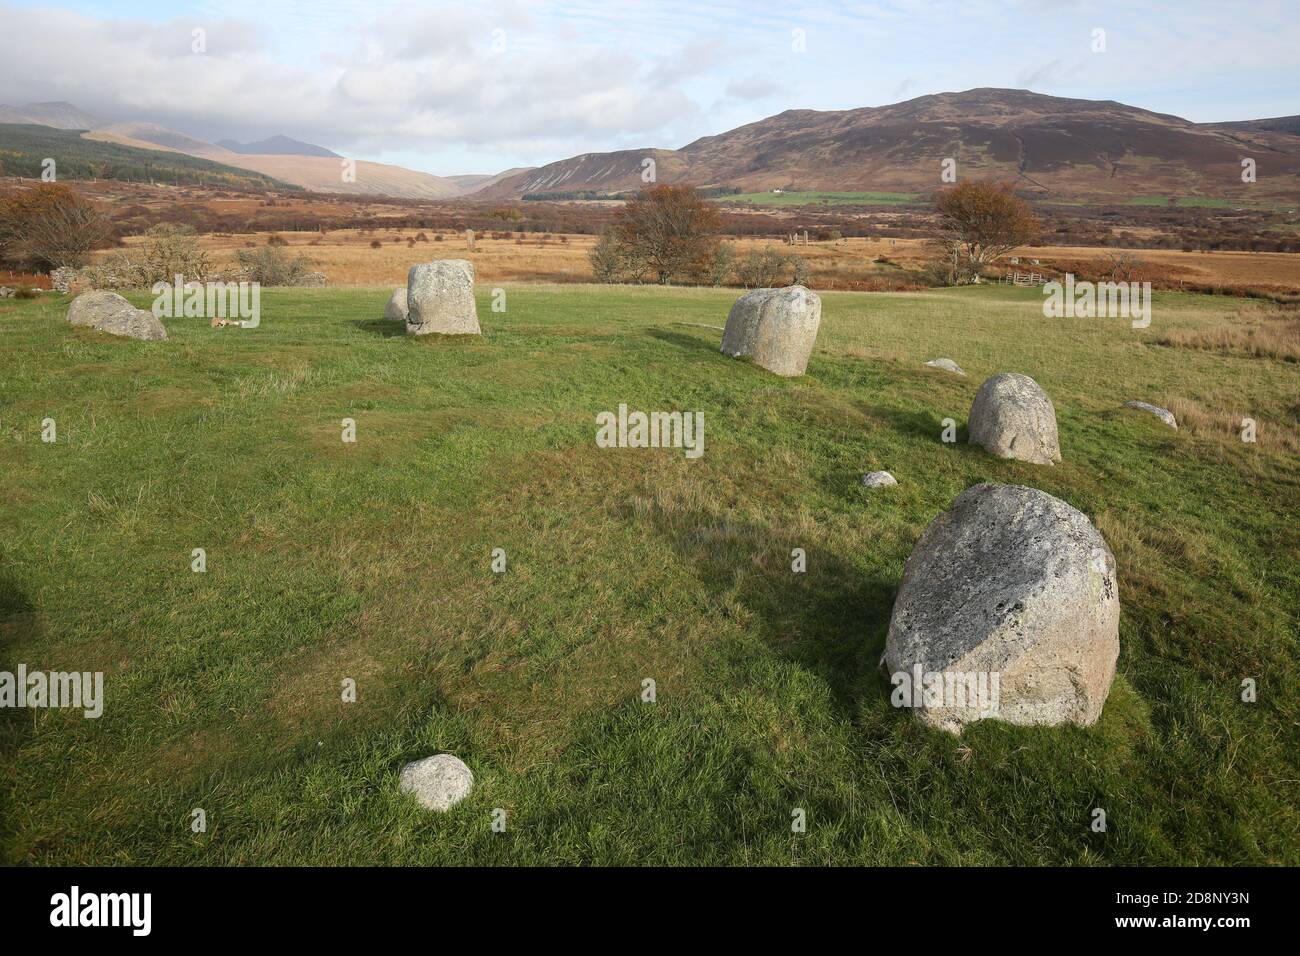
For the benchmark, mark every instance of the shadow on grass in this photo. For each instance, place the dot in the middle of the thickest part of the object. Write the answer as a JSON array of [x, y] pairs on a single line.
[[919, 424], [689, 342], [830, 618], [385, 327]]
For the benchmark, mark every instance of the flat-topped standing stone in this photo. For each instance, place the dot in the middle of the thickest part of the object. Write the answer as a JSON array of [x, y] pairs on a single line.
[[440, 298], [109, 312], [947, 364], [1012, 417], [1164, 414], [90, 307], [438, 782], [395, 310], [776, 328], [1014, 582]]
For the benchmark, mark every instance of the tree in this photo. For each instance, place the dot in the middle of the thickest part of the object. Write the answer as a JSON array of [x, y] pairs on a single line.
[[979, 222], [668, 232], [49, 225]]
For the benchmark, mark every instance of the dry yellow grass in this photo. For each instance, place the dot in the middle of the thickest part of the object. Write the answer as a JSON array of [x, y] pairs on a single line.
[[347, 259], [1274, 334]]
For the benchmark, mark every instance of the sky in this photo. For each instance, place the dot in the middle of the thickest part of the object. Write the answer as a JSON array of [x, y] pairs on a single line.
[[478, 87]]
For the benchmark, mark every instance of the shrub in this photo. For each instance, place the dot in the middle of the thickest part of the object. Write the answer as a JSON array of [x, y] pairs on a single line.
[[376, 244], [270, 265], [768, 268], [605, 257], [723, 264], [274, 240], [167, 251]]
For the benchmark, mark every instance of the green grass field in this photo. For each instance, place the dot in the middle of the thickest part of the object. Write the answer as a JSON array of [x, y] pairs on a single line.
[[825, 199], [372, 561], [1209, 202]]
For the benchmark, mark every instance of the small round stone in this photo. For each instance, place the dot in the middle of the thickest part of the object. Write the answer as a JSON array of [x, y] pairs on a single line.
[[878, 479], [438, 782]]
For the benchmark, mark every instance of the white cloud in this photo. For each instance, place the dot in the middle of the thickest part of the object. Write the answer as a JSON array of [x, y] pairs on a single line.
[[422, 81]]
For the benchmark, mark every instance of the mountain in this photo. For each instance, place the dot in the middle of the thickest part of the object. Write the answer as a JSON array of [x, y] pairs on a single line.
[[153, 136], [278, 145], [58, 115], [1051, 145], [1278, 124], [24, 147], [318, 173], [476, 181], [270, 163]]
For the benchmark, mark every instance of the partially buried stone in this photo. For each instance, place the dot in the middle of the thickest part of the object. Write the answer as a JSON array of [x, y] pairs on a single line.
[[438, 782]]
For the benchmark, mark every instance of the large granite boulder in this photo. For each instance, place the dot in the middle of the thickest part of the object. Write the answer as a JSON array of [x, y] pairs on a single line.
[[109, 312], [1012, 417], [440, 298], [395, 310], [776, 328], [1013, 584], [91, 307]]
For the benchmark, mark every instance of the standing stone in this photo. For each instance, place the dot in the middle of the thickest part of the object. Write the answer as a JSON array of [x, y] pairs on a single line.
[[1012, 417], [1164, 414], [438, 782], [90, 307], [440, 298], [776, 328], [395, 310], [109, 312], [1014, 582]]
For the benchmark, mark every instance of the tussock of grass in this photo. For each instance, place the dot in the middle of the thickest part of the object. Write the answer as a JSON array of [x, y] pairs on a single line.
[[1275, 335]]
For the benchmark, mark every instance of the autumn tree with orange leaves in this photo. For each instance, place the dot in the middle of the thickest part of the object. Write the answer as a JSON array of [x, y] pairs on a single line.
[[49, 225], [979, 222]]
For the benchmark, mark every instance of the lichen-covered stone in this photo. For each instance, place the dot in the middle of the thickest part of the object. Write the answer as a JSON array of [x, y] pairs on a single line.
[[1014, 582], [440, 298], [775, 328], [1012, 417]]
